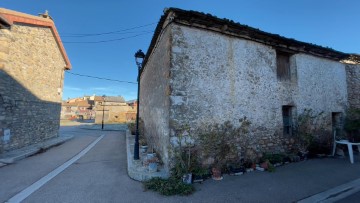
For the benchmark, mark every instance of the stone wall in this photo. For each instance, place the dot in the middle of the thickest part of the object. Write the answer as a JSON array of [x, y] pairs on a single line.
[[154, 98], [353, 80], [31, 81], [217, 78], [115, 112]]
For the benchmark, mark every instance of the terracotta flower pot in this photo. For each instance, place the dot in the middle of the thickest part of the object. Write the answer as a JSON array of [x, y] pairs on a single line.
[[216, 173], [264, 165]]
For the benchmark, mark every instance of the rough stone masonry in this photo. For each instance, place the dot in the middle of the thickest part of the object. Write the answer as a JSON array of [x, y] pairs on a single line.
[[201, 70], [31, 81]]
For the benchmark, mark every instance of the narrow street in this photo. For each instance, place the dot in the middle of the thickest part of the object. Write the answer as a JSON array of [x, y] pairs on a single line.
[[100, 175]]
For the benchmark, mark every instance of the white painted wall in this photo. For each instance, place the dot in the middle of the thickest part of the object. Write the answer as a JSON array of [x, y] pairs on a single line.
[[215, 78]]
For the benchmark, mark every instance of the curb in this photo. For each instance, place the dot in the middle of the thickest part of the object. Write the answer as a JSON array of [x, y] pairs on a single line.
[[334, 194], [134, 167], [24, 153], [13, 159]]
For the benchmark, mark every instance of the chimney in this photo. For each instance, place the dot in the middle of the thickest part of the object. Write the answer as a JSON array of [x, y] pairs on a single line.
[[45, 15]]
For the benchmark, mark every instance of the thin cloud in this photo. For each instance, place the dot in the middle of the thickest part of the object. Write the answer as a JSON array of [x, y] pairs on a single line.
[[72, 88], [98, 88]]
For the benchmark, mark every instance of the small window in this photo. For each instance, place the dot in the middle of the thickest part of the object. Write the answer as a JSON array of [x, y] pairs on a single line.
[[287, 120], [283, 66]]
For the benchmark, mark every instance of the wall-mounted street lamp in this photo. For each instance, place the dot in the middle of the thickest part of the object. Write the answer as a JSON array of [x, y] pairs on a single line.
[[102, 123], [139, 57]]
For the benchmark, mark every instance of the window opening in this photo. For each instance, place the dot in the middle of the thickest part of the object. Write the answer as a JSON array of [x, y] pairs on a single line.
[[283, 66], [287, 120]]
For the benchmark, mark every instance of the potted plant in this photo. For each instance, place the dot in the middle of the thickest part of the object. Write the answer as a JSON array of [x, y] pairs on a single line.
[[218, 143], [236, 169], [200, 174], [216, 172], [249, 165], [152, 164], [143, 145]]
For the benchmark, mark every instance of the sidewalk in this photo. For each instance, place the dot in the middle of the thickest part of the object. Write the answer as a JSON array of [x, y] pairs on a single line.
[[317, 180], [135, 168], [16, 155]]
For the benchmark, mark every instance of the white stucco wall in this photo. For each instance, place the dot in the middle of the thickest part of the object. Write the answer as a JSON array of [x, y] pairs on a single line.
[[322, 84], [215, 78]]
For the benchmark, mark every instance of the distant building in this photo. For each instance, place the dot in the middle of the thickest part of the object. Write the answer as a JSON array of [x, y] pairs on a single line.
[[32, 64], [77, 109], [115, 110]]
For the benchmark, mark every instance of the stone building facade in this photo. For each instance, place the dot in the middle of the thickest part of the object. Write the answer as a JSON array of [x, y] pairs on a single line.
[[353, 81], [201, 70], [81, 110], [115, 110], [32, 64]]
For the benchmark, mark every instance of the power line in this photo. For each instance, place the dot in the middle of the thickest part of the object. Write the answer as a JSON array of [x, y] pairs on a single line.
[[102, 41], [118, 33], [97, 34], [111, 32], [91, 42], [101, 78]]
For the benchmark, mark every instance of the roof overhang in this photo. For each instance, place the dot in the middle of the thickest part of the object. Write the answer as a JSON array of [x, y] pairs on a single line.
[[10, 17], [228, 27], [4, 23]]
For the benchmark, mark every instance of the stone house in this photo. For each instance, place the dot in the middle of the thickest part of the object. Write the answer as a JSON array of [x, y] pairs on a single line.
[[115, 110], [202, 70], [32, 65], [79, 109]]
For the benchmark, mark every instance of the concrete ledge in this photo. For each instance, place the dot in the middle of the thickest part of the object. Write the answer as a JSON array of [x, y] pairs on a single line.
[[334, 194], [16, 155], [135, 168]]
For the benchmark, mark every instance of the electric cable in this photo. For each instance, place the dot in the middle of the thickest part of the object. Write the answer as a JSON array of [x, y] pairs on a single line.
[[101, 78]]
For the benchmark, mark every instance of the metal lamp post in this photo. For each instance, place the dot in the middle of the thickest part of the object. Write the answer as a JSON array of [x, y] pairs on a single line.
[[102, 123], [139, 57]]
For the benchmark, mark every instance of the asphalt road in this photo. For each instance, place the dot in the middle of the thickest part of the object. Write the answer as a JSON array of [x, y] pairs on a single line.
[[14, 178], [100, 176]]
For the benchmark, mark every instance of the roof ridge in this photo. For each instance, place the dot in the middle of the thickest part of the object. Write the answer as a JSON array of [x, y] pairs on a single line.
[[228, 27]]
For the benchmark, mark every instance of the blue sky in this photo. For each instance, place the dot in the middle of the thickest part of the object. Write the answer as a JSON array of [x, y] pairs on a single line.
[[329, 23]]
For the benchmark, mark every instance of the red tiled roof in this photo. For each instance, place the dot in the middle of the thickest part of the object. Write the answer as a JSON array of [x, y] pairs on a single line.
[[98, 98], [83, 103]]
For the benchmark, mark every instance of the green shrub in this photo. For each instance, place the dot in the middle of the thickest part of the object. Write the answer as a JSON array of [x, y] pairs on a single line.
[[219, 142], [132, 127], [168, 187], [352, 124], [273, 158], [311, 132]]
